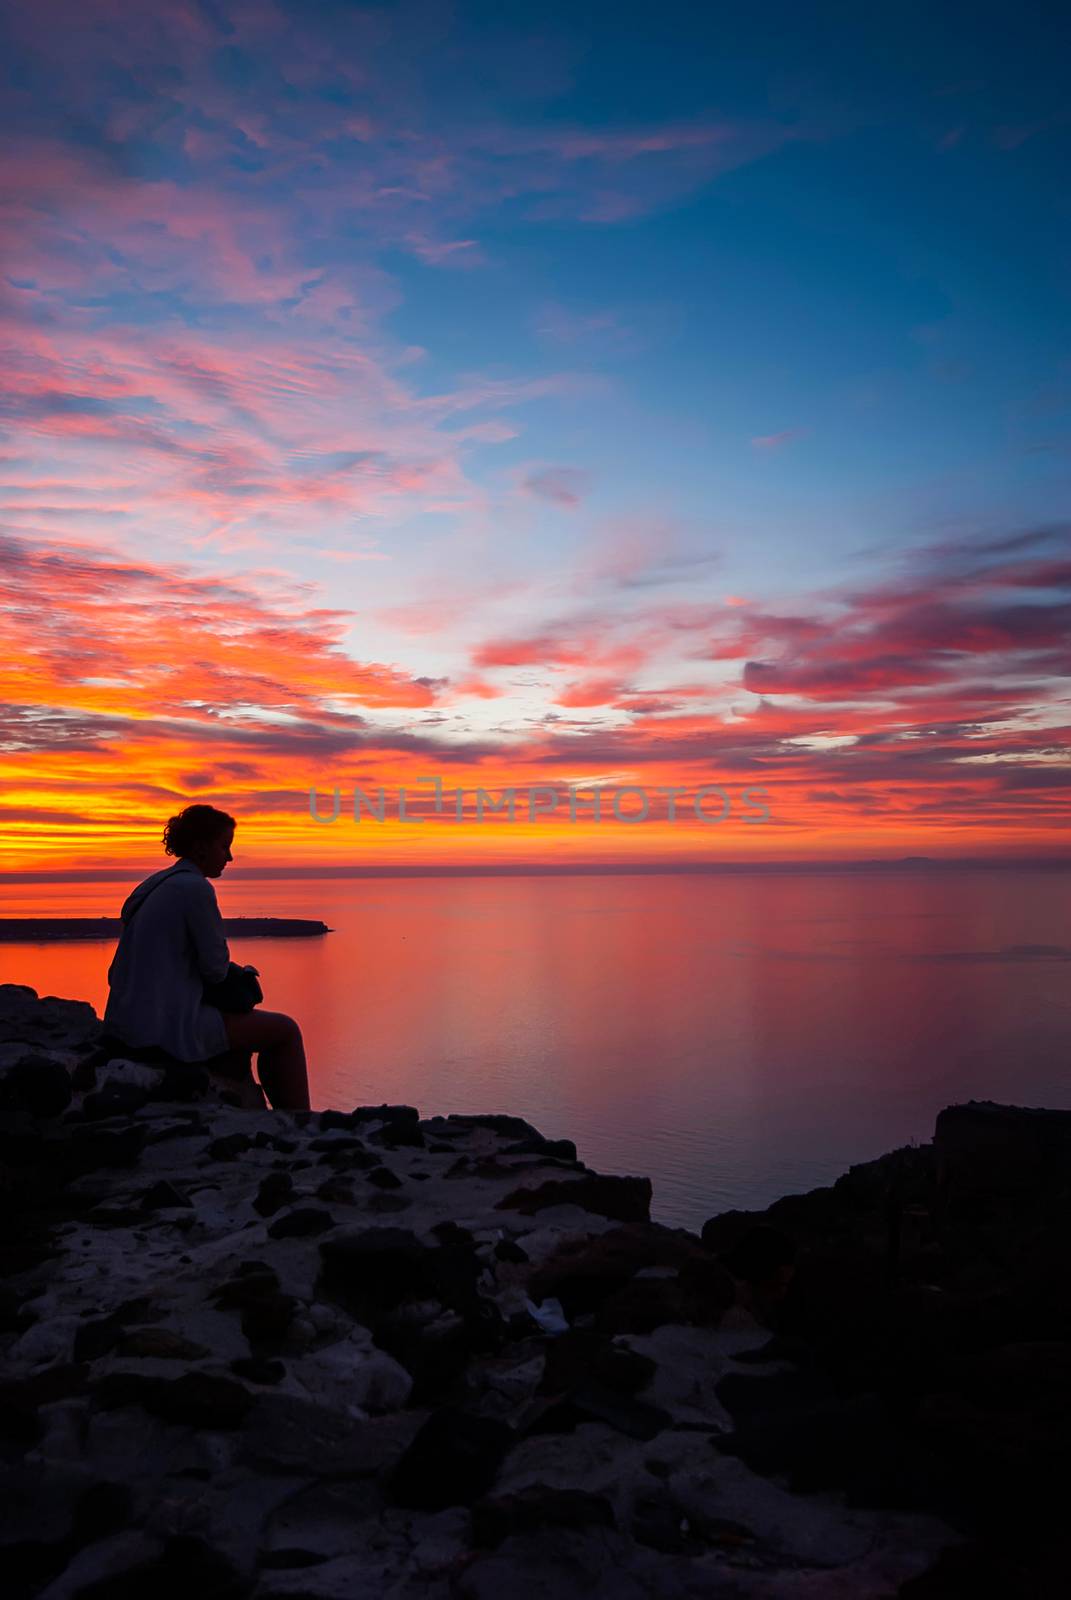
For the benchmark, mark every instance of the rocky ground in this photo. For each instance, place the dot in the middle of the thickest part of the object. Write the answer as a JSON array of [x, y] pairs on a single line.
[[356, 1352]]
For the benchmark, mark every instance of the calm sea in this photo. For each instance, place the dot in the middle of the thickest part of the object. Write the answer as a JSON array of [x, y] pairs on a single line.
[[733, 1037]]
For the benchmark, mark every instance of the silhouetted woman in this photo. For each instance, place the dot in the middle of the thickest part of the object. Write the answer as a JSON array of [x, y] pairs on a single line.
[[174, 946]]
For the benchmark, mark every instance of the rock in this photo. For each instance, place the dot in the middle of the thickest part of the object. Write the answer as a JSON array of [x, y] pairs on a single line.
[[254, 1280], [508, 1127], [163, 1195], [92, 1148], [182, 1566], [398, 1115], [43, 1388], [200, 1400], [624, 1199], [160, 1345], [813, 1440], [336, 1142], [980, 1571], [107, 1569], [983, 1148], [591, 1401], [686, 1366], [303, 1223], [387, 1204], [275, 1192], [266, 1320], [398, 1136], [592, 1563], [103, 1509], [38, 1084], [119, 1216], [259, 1369], [288, 1434], [369, 1379], [537, 1506], [96, 1338], [11, 1312], [582, 1354], [229, 1147], [430, 1343], [588, 1275], [118, 1389], [647, 1303], [37, 1513], [130, 1074], [349, 1159], [114, 1100], [659, 1522], [451, 1232], [183, 1081], [373, 1269], [383, 1178], [452, 1461], [318, 1524], [196, 1399], [319, 1473], [559, 1149], [48, 1022], [336, 1191], [336, 1119]]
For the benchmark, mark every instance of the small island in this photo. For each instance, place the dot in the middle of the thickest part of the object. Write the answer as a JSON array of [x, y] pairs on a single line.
[[34, 930]]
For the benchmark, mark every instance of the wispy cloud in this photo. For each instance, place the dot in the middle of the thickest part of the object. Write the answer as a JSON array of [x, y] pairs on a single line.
[[563, 486], [778, 441]]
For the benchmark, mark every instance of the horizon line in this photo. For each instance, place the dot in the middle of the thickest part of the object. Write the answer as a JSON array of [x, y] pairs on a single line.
[[568, 869]]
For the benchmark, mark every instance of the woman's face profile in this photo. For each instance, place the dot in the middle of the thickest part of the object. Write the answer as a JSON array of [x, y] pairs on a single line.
[[212, 855]]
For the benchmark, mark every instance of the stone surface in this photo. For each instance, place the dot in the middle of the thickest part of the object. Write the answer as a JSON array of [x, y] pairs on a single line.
[[451, 1461], [229, 1371], [625, 1199]]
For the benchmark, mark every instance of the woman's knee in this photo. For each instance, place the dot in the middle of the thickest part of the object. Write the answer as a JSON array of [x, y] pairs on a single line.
[[282, 1029], [253, 1030]]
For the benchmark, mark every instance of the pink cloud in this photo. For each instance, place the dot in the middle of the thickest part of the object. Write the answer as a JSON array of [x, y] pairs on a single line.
[[478, 687], [777, 441], [563, 486], [446, 252], [591, 692]]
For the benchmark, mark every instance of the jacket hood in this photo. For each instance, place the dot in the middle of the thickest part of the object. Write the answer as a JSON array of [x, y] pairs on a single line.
[[137, 895]]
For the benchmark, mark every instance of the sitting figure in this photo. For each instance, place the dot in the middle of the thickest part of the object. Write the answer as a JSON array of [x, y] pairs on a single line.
[[171, 944]]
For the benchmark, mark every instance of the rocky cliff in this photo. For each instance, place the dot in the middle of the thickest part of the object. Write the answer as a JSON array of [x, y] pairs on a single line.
[[357, 1351]]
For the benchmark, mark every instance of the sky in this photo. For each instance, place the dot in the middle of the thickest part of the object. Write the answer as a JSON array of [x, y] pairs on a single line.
[[554, 398]]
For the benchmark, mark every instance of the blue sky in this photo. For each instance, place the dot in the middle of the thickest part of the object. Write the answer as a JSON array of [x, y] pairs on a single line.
[[566, 371]]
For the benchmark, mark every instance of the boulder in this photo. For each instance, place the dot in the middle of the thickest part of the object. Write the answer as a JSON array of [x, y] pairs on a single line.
[[452, 1461], [538, 1506], [623, 1199], [371, 1270]]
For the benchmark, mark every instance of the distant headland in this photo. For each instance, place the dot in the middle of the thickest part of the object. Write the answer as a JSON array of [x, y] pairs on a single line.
[[24, 930]]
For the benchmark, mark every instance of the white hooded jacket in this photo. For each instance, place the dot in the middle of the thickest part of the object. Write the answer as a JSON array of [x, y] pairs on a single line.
[[172, 947]]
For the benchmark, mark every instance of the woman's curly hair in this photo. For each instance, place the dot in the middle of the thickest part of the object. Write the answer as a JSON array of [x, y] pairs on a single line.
[[196, 825]]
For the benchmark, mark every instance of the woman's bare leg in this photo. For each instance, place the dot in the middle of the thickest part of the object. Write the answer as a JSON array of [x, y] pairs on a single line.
[[281, 1064]]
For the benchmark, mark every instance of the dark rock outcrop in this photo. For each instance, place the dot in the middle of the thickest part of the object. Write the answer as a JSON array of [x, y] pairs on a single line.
[[228, 1370]]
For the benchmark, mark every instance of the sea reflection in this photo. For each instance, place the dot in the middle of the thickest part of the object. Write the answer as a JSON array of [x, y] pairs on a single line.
[[733, 1037]]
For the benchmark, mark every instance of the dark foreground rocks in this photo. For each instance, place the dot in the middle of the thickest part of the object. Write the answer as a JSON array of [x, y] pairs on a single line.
[[928, 1326], [358, 1352]]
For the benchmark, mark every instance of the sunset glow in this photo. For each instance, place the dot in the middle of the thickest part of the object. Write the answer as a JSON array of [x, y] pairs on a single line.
[[423, 391]]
